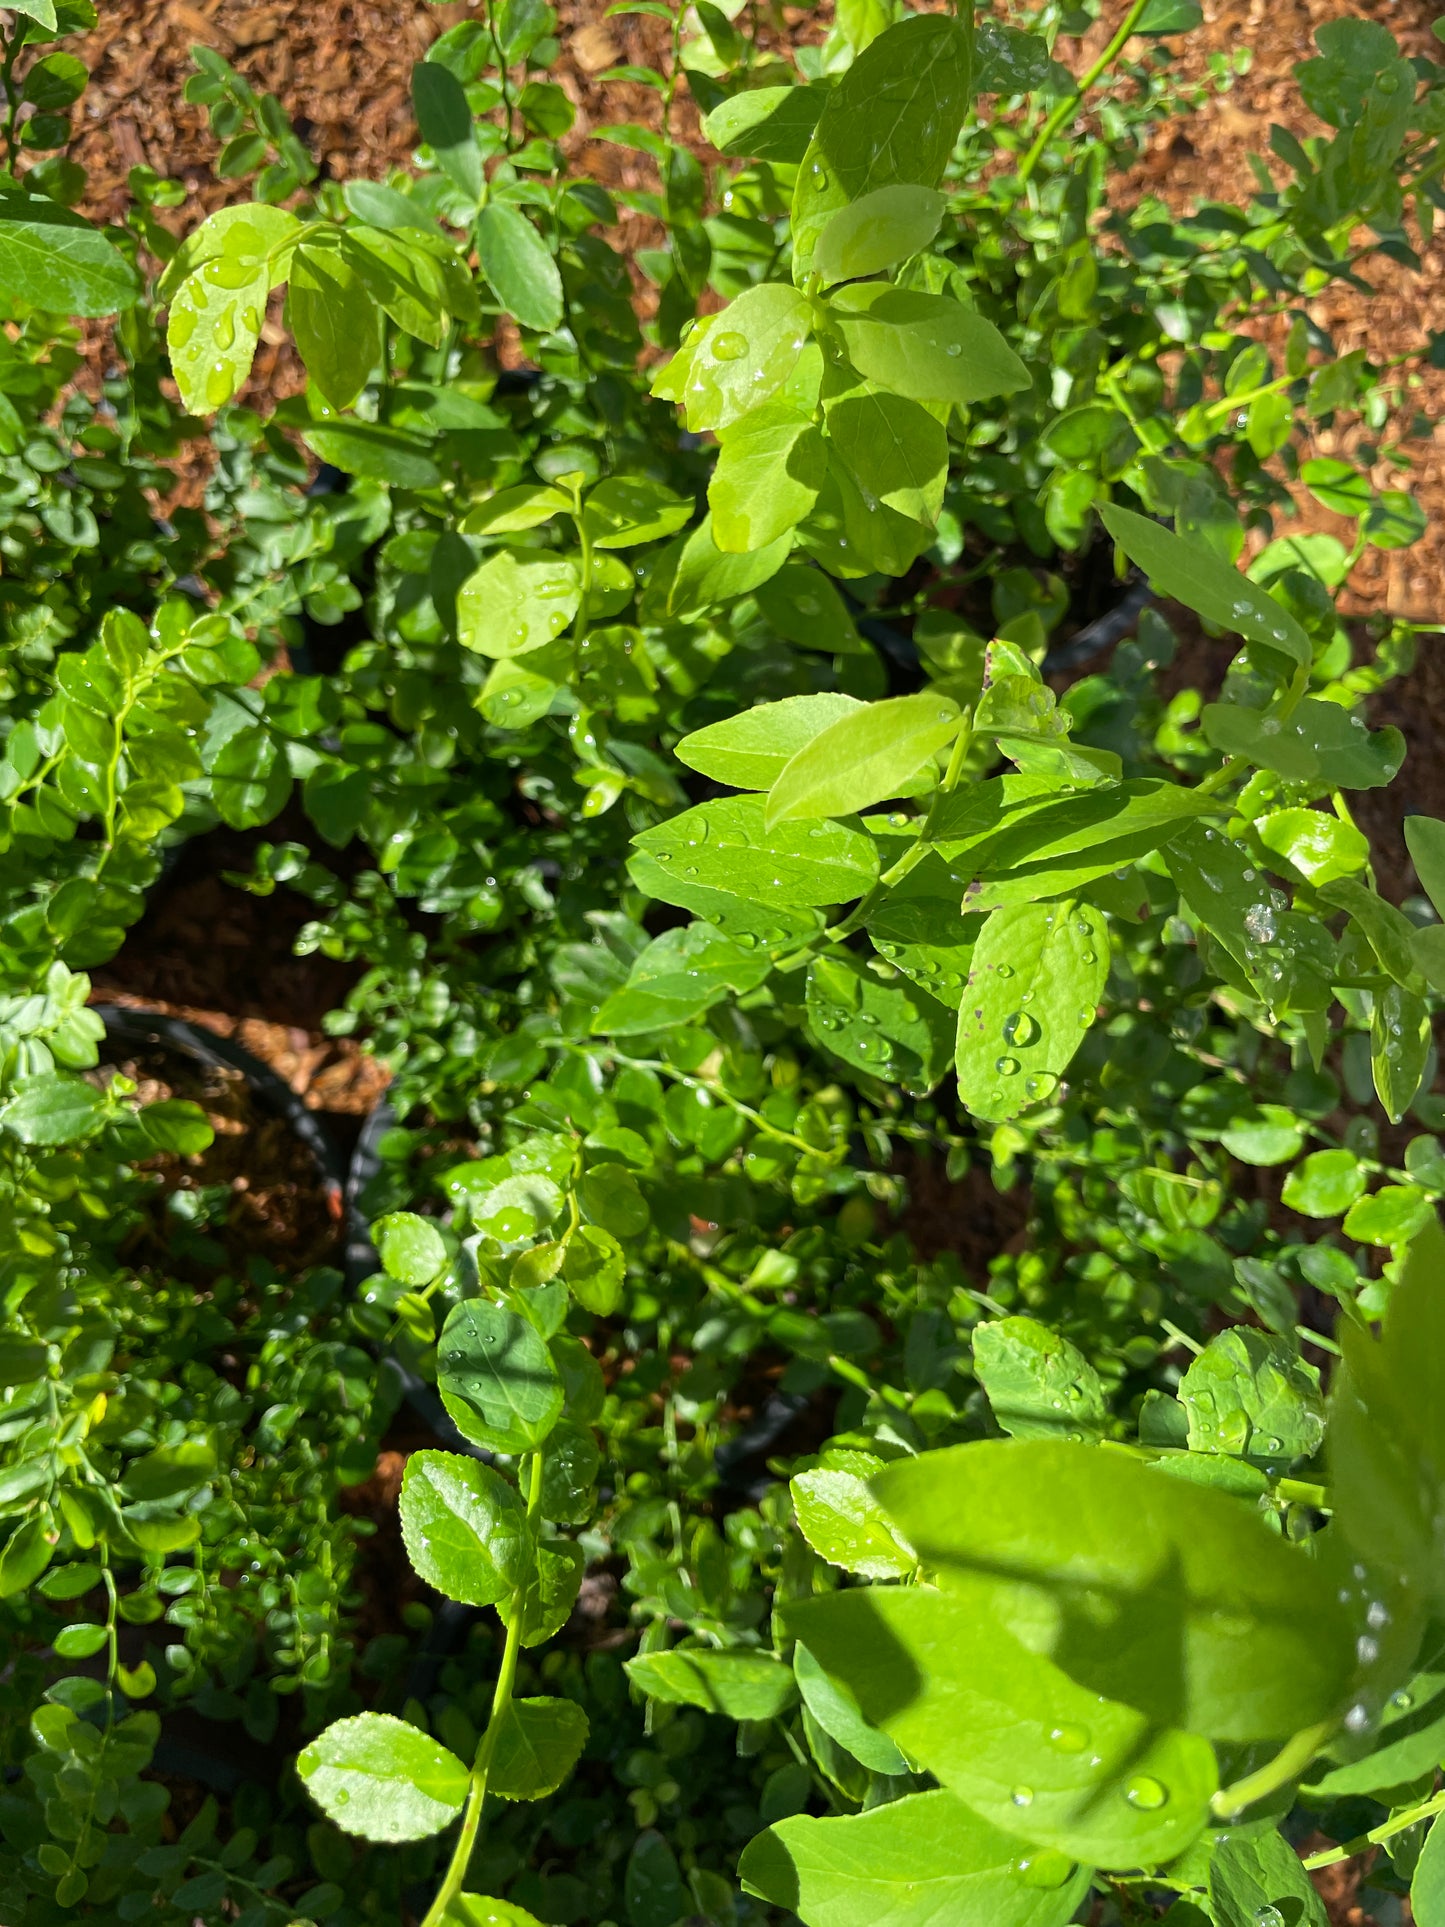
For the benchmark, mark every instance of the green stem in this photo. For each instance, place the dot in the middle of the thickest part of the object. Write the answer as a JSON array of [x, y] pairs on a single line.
[[487, 1746], [1397, 1823], [12, 97], [1291, 1760], [1067, 105]]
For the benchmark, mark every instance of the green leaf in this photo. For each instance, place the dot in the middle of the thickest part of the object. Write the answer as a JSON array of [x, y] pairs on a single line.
[[845, 1524], [1202, 581], [411, 1248], [445, 120], [212, 331], [677, 977], [549, 1599], [1039, 1385], [170, 1471], [1059, 847], [514, 509], [750, 750], [516, 261], [516, 601], [1169, 16], [700, 575], [376, 454], [595, 1268], [55, 1108], [893, 117], [1401, 1041], [539, 1741], [1288, 959], [726, 845], [1408, 1744], [626, 510], [1316, 742], [250, 231], [767, 477], [874, 233], [769, 924], [1325, 1185], [55, 260], [1425, 840], [41, 10], [893, 1029], [744, 1686], [1249, 1394], [766, 123], [1388, 931], [1255, 1878], [1174, 1599], [404, 280], [1320, 846], [918, 1862], [1390, 1216], [497, 1378], [465, 1528], [483, 1910], [1427, 1886], [866, 756], [27, 1552], [334, 321], [837, 1712], [894, 449], [1040, 1757], [610, 1197], [1038, 973], [924, 345], [378, 1777], [803, 606], [735, 361]]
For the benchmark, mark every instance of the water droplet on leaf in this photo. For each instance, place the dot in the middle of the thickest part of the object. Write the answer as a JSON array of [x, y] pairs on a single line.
[[1146, 1793]]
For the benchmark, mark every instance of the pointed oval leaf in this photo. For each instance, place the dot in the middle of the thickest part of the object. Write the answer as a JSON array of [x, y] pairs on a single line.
[[465, 1528], [749, 751], [516, 602], [873, 233], [539, 1741], [383, 1779], [516, 260], [1204, 582], [916, 1862], [865, 757], [497, 1378]]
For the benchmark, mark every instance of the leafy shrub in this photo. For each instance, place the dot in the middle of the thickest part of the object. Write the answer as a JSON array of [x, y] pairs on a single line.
[[637, 1174]]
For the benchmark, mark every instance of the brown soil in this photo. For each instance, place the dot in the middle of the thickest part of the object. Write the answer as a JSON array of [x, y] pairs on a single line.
[[222, 958], [277, 1209]]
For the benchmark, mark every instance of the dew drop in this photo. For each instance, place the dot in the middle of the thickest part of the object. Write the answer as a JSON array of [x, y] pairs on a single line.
[[1021, 1029], [1269, 1916], [729, 345], [1146, 1793], [1022, 1796], [1005, 970], [1007, 1066], [1357, 1719], [218, 384], [1045, 1867], [1259, 922], [183, 326], [1070, 1739]]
